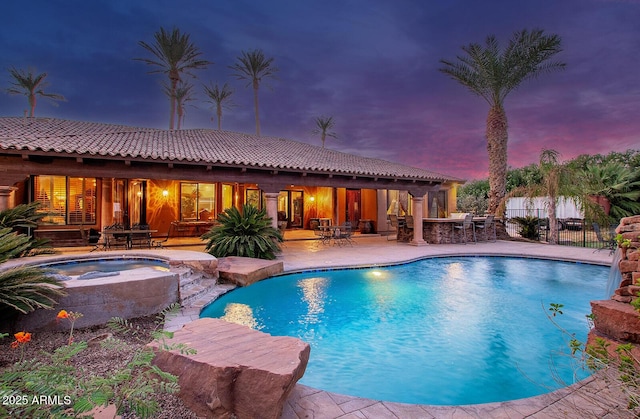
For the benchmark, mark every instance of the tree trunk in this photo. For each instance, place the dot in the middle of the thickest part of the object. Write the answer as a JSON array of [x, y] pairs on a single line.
[[32, 104], [255, 104], [219, 114], [553, 221], [497, 137], [174, 77]]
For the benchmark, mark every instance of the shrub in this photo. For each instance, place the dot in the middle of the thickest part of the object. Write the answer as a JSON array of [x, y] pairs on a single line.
[[20, 219], [23, 289], [73, 393], [248, 233], [529, 227]]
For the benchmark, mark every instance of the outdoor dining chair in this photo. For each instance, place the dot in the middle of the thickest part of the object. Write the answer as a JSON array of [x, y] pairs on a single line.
[[486, 225], [141, 239], [393, 221], [343, 234], [466, 225]]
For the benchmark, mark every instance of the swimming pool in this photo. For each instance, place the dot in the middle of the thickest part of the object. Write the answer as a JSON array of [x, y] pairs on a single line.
[[83, 266], [444, 331]]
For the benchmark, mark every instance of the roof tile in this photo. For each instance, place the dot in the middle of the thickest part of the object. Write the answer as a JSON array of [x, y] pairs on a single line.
[[193, 145]]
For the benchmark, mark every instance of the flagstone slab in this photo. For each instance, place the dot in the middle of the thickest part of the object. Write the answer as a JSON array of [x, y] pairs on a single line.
[[237, 371]]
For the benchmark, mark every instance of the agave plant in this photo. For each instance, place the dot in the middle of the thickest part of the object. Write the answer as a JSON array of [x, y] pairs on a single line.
[[248, 233], [24, 289]]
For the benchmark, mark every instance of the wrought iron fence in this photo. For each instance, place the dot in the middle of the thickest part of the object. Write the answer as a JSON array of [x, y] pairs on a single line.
[[533, 224]]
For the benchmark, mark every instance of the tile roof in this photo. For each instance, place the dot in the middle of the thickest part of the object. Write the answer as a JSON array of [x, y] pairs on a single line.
[[204, 146]]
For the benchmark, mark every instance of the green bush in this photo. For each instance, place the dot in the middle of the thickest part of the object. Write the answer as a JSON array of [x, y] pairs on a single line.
[[529, 227], [20, 219], [23, 289], [54, 377], [248, 233]]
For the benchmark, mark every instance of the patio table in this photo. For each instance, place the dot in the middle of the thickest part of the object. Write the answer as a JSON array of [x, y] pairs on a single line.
[[109, 235]]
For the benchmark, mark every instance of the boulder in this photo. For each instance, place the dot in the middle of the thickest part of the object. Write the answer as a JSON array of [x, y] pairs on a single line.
[[244, 271], [616, 320], [236, 370]]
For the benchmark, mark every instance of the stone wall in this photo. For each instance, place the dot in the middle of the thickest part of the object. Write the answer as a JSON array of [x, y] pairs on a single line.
[[615, 319]]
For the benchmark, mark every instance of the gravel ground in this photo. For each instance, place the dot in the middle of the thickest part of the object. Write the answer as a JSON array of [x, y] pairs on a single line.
[[96, 359]]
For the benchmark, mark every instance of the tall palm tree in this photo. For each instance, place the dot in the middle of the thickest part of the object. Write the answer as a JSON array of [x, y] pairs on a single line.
[[31, 85], [254, 66], [174, 54], [323, 125], [558, 180], [183, 94], [492, 74], [220, 98]]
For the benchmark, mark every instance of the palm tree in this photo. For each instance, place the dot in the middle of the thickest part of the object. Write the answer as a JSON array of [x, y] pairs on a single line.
[[220, 98], [174, 55], [323, 125], [31, 85], [558, 180], [183, 94], [620, 186], [492, 74], [254, 66]]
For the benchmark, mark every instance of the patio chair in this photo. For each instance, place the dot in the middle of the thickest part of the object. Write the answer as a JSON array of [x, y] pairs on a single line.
[[91, 238], [466, 225], [142, 239], [343, 234], [488, 223], [160, 243], [395, 224], [407, 229], [605, 243], [324, 234], [115, 238]]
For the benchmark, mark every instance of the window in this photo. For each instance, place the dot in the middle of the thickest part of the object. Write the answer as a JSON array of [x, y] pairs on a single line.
[[253, 198], [227, 196], [69, 200], [197, 201]]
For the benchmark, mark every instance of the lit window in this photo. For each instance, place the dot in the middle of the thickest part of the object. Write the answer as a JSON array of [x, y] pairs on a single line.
[[67, 200]]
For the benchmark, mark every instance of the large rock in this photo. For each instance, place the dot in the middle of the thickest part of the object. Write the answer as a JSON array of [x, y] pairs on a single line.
[[236, 371], [616, 320], [245, 271]]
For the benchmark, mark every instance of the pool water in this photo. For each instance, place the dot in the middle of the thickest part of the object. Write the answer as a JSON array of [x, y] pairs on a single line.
[[443, 331], [73, 268]]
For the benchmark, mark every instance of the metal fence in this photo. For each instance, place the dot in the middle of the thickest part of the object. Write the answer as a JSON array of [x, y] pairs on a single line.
[[533, 224]]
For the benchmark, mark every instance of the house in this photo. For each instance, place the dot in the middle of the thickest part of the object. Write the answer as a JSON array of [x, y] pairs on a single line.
[[91, 175]]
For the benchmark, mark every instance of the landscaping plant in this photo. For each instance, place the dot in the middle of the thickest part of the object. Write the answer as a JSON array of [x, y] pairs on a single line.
[[23, 289], [248, 233], [53, 387]]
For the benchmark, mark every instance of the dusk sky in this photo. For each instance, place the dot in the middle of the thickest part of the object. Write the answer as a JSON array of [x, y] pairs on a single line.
[[371, 64]]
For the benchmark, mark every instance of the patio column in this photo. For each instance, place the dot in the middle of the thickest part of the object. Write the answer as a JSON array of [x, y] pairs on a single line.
[[5, 196], [417, 222], [272, 207]]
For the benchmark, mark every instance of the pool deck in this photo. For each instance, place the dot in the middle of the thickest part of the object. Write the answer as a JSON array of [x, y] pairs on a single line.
[[590, 398]]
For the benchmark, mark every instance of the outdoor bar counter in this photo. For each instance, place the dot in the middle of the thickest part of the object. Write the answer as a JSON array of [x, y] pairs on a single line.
[[441, 231]]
